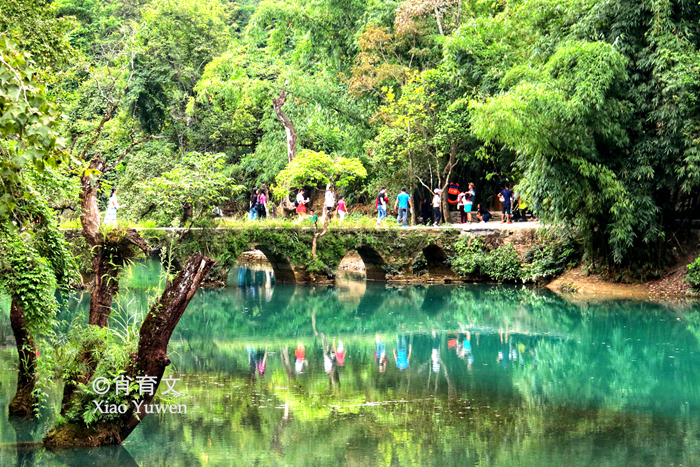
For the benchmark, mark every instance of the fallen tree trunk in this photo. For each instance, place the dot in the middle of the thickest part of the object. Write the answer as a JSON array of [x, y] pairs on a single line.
[[151, 360], [25, 401]]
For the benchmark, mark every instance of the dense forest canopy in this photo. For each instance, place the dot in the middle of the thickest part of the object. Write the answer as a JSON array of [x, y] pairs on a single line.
[[589, 107]]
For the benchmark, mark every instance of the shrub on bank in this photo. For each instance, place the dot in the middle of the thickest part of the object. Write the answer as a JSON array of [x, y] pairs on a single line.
[[475, 259], [693, 276], [549, 258]]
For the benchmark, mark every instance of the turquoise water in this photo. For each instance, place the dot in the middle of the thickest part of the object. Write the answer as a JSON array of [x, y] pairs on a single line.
[[496, 376]]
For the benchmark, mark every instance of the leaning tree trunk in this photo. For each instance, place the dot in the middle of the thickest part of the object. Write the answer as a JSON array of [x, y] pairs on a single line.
[[109, 257], [287, 123], [89, 212], [25, 401], [150, 360]]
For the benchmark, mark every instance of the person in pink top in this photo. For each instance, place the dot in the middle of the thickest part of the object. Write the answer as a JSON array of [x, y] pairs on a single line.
[[342, 208]]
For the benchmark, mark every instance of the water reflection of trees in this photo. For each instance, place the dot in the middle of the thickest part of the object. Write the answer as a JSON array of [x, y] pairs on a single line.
[[550, 381]]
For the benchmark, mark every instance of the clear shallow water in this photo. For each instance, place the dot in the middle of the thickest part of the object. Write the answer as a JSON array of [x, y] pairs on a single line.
[[496, 376]]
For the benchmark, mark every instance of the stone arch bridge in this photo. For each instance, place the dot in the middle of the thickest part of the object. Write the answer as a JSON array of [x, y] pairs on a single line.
[[389, 254]]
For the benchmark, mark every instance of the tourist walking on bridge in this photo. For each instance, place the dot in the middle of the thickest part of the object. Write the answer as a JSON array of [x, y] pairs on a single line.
[[381, 203], [300, 205], [506, 197], [329, 202], [436, 207], [342, 208], [470, 202], [262, 205], [425, 211], [460, 207], [253, 213], [403, 201]]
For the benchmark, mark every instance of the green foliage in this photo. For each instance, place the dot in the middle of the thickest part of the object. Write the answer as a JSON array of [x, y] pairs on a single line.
[[28, 277], [468, 254], [34, 261], [34, 25], [557, 118], [319, 168], [28, 124], [73, 355], [551, 256], [197, 184], [502, 264], [474, 258], [693, 276]]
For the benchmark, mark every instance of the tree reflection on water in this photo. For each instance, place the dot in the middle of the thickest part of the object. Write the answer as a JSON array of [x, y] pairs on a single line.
[[475, 375]]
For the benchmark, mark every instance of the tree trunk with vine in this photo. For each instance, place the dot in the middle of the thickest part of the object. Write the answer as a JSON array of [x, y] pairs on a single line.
[[24, 402]]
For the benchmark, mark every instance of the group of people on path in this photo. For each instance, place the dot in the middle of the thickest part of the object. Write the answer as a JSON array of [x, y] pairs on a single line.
[[403, 204], [512, 206], [258, 204], [329, 204], [430, 210]]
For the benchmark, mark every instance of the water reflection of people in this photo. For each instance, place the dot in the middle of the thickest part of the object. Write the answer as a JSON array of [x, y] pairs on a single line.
[[299, 358], [504, 354], [435, 353], [402, 354], [329, 361], [464, 350], [380, 354], [339, 353], [257, 361]]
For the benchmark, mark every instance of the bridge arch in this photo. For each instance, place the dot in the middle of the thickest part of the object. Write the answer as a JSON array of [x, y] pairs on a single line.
[[374, 263], [438, 261], [284, 272]]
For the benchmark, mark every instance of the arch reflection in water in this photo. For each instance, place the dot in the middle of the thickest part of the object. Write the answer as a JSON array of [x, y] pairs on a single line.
[[466, 375], [254, 281]]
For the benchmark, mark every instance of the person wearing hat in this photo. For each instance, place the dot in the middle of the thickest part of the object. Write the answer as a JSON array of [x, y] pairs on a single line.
[[436, 207]]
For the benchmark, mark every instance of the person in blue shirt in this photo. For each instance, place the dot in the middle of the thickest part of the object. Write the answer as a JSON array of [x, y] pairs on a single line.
[[403, 201], [506, 197]]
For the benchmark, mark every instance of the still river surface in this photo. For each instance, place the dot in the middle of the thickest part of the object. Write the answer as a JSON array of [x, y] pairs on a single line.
[[426, 375]]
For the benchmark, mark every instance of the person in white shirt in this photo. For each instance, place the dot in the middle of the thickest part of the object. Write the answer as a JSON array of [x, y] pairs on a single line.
[[301, 205], [437, 215], [111, 215], [330, 202]]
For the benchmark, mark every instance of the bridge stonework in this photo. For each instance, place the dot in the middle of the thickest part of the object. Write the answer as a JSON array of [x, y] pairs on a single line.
[[389, 254]]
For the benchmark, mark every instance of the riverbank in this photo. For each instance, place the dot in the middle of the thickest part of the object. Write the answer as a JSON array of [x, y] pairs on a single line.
[[671, 285]]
